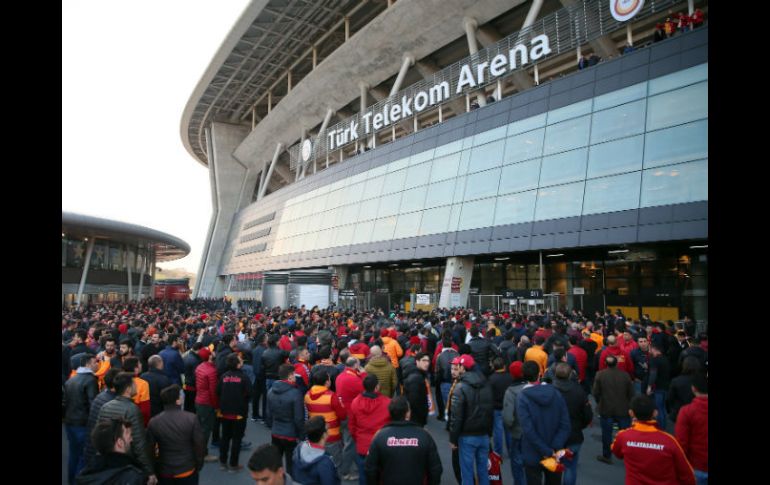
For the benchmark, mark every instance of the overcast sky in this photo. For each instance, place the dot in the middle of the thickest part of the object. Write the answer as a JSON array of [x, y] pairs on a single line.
[[128, 69]]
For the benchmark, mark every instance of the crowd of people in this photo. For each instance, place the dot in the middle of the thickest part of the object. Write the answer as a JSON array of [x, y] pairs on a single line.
[[151, 388]]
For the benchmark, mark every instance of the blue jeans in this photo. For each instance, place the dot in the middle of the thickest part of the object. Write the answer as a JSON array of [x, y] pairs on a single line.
[[445, 387], [360, 460], [76, 436], [660, 405], [499, 432], [570, 466], [701, 478], [474, 450], [606, 423], [517, 462], [266, 411]]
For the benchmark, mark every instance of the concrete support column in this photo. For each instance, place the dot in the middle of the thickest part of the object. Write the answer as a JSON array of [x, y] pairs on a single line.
[[152, 279], [473, 47], [690, 7], [540, 270], [128, 272], [347, 28], [262, 189], [269, 101], [141, 275], [315, 57], [288, 81], [458, 271], [629, 35], [227, 172], [86, 264], [405, 65]]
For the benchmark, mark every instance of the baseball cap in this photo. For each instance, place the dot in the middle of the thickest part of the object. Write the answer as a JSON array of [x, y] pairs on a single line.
[[465, 361]]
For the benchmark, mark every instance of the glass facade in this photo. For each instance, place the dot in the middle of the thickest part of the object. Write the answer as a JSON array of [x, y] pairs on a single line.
[[640, 146]]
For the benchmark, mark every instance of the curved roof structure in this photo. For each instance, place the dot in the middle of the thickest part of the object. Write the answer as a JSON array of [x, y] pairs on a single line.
[[166, 246], [271, 38]]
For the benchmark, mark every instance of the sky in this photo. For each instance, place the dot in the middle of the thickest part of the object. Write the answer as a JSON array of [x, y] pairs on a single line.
[[128, 69]]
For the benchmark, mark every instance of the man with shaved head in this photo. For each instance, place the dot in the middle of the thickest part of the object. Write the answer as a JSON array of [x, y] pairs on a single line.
[[380, 366]]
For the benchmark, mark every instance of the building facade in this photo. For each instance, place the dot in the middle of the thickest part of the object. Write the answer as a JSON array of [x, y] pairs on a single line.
[[110, 261], [552, 184]]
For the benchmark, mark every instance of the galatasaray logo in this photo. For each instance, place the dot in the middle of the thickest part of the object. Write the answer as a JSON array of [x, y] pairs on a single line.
[[623, 10]]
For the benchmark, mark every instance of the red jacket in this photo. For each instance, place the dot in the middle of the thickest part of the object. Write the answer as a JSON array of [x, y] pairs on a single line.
[[206, 385], [581, 357], [367, 415], [285, 344], [359, 350], [320, 401], [624, 360], [651, 456], [692, 431], [349, 385]]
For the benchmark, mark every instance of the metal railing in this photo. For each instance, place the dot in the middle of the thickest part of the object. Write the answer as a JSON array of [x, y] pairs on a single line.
[[566, 29]]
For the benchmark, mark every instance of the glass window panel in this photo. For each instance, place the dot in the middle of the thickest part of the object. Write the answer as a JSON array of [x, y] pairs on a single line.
[[423, 156], [519, 177], [482, 184], [679, 79], [343, 236], [609, 194], [407, 225], [621, 96], [352, 194], [389, 205], [349, 214], [677, 144], [373, 187], [394, 182], [486, 156], [489, 135], [440, 193], [677, 107], [417, 175], [457, 195], [334, 199], [314, 223], [324, 239], [618, 122], [564, 167], [448, 148], [527, 124], [567, 135], [319, 204], [363, 233], [445, 167], [479, 213], [514, 208], [413, 200], [675, 184], [619, 156], [368, 209], [359, 177], [454, 217], [524, 146], [465, 157], [329, 219], [559, 201], [435, 220], [569, 111], [384, 228], [467, 142], [397, 165]]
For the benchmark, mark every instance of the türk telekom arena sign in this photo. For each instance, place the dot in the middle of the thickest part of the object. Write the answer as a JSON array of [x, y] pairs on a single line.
[[520, 55]]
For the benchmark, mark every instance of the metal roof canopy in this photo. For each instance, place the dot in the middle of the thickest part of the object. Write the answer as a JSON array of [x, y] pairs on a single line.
[[165, 246]]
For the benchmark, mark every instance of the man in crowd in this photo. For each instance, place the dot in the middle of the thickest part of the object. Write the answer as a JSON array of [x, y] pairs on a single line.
[[112, 438], [417, 390], [206, 398], [158, 381], [381, 367], [513, 423], [402, 453], [367, 414], [266, 466], [107, 395], [659, 381], [321, 401], [580, 416], [613, 391], [179, 440], [692, 429], [349, 385], [287, 413], [234, 391], [311, 463], [173, 364], [80, 392]]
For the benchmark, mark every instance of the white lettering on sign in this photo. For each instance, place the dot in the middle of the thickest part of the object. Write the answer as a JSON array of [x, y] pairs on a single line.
[[641, 444]]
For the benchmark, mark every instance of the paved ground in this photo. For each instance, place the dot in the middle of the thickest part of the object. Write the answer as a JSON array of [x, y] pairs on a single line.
[[590, 471]]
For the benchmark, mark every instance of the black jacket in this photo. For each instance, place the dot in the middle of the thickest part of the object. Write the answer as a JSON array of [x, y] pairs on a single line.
[[580, 413], [101, 399], [80, 391], [112, 469], [272, 358], [179, 437], [234, 390], [191, 361], [679, 394], [471, 407], [417, 395], [287, 410], [499, 382], [444, 365], [157, 381], [483, 352], [404, 454]]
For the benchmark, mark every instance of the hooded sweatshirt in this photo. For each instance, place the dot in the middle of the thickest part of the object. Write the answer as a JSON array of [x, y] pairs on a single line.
[[312, 466], [545, 422], [692, 432], [320, 401], [367, 414]]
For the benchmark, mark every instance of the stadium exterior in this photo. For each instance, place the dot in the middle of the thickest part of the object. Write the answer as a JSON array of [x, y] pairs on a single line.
[[95, 253], [470, 161]]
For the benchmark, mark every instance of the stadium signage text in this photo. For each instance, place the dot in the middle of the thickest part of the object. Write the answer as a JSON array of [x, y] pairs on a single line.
[[396, 110]]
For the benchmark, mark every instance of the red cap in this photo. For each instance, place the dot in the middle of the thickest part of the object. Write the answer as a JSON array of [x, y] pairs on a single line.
[[393, 333], [123, 328], [384, 332], [204, 353], [515, 369], [465, 361]]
